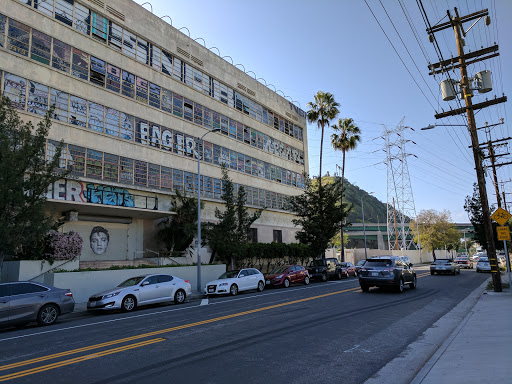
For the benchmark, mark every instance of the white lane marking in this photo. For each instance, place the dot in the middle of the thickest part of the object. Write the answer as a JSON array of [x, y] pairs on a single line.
[[284, 291], [204, 302], [356, 348]]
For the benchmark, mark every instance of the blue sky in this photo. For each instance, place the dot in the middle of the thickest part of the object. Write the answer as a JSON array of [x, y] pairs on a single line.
[[302, 47]]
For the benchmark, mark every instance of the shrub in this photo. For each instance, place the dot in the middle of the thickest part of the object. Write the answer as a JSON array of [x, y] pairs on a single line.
[[62, 246]]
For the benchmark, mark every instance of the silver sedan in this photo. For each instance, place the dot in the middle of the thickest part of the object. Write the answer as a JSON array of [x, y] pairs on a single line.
[[444, 266], [141, 290], [483, 265], [24, 301]]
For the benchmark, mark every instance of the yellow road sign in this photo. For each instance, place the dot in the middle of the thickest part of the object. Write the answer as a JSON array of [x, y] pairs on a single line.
[[503, 233], [501, 216]]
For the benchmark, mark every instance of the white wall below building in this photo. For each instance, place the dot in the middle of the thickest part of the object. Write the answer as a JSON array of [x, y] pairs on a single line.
[[85, 284]]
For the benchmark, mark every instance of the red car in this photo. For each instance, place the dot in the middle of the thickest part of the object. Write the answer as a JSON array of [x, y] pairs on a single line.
[[349, 268], [286, 275]]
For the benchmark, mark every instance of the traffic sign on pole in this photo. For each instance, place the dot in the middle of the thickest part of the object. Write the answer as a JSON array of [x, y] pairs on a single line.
[[501, 216], [503, 233]]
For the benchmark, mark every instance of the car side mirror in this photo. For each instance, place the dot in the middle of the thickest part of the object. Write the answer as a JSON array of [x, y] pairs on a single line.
[[144, 283], [410, 264]]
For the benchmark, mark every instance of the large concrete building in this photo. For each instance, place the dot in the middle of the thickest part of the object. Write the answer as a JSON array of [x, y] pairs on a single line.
[[133, 96]]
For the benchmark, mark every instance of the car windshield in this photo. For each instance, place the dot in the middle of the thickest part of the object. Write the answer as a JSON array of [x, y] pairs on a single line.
[[361, 262], [381, 263], [484, 259], [279, 270], [442, 261], [131, 281], [318, 263], [229, 274]]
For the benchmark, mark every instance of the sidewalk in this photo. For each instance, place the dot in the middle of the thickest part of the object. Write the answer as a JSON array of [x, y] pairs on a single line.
[[479, 349], [472, 343]]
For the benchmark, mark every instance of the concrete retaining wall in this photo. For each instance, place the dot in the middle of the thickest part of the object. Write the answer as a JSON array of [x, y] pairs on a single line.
[[354, 255], [22, 270], [85, 284]]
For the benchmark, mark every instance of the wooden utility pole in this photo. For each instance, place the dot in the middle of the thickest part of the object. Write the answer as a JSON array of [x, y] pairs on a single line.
[[495, 176], [467, 94], [463, 60]]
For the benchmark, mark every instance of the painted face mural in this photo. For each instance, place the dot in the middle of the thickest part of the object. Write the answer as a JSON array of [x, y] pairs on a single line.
[[99, 239]]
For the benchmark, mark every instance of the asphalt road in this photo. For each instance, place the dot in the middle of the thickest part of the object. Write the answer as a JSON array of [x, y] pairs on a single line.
[[322, 333]]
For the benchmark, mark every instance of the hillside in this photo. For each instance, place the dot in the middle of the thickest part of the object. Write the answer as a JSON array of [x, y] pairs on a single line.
[[374, 210]]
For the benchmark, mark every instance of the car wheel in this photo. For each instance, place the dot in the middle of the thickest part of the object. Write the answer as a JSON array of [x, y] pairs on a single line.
[[413, 284], [286, 283], [432, 272], [400, 287], [180, 296], [233, 290], [355, 273], [48, 314], [261, 286], [306, 280], [324, 277], [340, 276], [128, 304], [365, 288]]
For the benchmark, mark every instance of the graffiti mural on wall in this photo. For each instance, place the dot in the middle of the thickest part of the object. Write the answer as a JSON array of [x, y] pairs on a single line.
[[103, 194], [72, 190]]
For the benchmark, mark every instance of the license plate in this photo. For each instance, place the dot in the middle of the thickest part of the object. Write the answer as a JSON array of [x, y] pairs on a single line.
[[374, 274], [211, 290]]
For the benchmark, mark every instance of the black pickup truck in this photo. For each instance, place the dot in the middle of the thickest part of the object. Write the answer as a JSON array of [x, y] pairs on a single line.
[[325, 269]]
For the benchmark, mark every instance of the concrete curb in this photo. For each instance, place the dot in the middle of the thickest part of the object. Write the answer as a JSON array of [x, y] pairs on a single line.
[[419, 357]]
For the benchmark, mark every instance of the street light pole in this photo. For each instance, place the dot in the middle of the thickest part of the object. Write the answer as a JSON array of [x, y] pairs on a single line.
[[364, 227], [199, 211]]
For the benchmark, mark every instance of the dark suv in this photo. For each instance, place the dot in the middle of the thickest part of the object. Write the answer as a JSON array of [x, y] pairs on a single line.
[[325, 269], [384, 271]]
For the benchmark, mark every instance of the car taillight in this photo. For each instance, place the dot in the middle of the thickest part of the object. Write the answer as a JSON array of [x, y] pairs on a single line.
[[69, 294], [187, 281]]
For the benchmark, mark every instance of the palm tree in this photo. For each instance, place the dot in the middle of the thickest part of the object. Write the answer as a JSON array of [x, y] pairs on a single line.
[[321, 112], [344, 139]]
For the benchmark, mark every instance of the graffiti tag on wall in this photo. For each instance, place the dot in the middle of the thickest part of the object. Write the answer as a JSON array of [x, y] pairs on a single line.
[[72, 190]]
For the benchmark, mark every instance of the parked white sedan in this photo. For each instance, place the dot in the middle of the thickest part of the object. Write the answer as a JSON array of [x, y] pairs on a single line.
[[141, 290], [232, 282]]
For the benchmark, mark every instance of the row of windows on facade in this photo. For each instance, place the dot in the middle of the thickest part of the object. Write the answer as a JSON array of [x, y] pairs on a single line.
[[101, 29], [106, 75], [97, 165], [277, 235], [83, 113]]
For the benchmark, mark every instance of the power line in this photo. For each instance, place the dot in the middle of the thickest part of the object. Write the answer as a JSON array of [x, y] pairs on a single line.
[[423, 93]]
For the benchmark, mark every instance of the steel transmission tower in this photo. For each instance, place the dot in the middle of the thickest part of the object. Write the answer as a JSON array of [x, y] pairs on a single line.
[[400, 200]]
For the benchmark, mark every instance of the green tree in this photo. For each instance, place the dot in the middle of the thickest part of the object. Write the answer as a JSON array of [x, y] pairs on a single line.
[[228, 236], [335, 241], [25, 175], [345, 138], [322, 111], [473, 207], [436, 230], [178, 231], [319, 214]]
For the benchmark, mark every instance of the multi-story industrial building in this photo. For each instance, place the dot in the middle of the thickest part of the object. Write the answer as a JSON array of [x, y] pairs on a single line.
[[133, 96]]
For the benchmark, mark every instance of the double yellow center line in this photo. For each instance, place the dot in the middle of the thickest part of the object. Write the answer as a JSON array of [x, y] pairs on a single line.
[[137, 337]]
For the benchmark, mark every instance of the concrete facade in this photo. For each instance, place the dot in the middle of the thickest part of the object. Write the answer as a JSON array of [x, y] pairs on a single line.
[[133, 95]]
